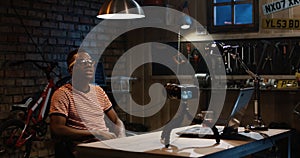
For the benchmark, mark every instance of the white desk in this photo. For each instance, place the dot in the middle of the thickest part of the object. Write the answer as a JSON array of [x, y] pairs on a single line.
[[149, 145]]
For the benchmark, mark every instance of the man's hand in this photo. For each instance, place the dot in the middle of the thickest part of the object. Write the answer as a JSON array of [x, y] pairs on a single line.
[[121, 132], [103, 135]]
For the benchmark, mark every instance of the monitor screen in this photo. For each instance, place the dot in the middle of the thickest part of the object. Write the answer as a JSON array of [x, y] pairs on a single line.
[[240, 107]]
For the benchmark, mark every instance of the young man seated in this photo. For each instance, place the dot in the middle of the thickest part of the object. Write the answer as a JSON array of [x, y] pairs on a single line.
[[79, 109]]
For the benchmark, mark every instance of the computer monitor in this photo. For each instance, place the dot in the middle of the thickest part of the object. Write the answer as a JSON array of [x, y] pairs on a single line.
[[238, 111], [230, 131]]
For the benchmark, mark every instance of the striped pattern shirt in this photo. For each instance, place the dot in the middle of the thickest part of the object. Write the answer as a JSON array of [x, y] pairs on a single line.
[[82, 110]]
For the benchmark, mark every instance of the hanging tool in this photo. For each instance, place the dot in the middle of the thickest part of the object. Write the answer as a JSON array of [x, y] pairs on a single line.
[[242, 52], [285, 60], [236, 69], [277, 57], [270, 60], [254, 54], [265, 46], [224, 56], [227, 56], [196, 56], [188, 49], [229, 69], [298, 66], [292, 58], [292, 50], [249, 55]]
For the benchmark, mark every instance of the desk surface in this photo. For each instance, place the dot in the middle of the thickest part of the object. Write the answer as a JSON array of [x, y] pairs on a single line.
[[149, 145]]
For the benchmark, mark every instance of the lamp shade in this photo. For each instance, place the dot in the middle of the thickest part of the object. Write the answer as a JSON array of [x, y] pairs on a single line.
[[186, 19], [186, 22], [120, 9]]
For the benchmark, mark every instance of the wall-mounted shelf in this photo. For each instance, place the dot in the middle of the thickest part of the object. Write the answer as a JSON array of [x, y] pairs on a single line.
[[278, 77]]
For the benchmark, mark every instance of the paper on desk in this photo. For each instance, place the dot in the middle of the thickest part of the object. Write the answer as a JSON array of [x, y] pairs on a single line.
[[199, 147], [138, 143], [179, 146], [253, 135]]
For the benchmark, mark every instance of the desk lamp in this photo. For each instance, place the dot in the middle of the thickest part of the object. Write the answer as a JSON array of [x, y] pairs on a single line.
[[259, 124], [185, 23]]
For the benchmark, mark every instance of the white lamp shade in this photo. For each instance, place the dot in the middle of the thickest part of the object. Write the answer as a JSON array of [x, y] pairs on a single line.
[[120, 9], [186, 22]]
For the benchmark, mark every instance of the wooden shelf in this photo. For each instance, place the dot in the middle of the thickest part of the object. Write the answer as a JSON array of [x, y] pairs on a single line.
[[278, 77], [228, 77]]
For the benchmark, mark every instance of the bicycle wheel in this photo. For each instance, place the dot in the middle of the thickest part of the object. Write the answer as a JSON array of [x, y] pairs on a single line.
[[10, 131]]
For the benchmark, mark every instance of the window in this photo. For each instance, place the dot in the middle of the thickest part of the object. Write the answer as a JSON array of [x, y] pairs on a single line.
[[232, 16]]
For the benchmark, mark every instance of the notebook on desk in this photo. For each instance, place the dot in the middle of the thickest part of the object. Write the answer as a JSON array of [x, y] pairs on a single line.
[[230, 131]]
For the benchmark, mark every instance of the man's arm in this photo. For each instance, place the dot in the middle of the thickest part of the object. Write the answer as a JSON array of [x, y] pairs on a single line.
[[59, 129], [119, 126]]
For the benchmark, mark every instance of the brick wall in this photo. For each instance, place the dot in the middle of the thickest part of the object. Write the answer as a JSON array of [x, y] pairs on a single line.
[[37, 30], [45, 29]]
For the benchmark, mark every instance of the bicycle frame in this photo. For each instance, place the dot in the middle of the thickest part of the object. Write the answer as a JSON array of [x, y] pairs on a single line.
[[42, 103]]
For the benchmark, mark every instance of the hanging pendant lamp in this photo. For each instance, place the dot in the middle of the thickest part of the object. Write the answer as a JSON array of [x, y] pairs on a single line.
[[186, 19], [121, 9]]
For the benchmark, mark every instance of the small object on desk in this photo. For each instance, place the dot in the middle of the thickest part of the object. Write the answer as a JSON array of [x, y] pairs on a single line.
[[258, 128], [247, 129]]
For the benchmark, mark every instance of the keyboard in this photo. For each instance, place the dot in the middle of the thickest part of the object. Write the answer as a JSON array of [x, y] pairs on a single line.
[[206, 132], [196, 132]]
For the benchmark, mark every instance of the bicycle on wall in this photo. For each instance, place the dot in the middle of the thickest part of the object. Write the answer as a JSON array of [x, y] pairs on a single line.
[[17, 135]]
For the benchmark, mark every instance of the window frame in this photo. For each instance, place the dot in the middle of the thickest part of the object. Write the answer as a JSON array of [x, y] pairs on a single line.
[[238, 28]]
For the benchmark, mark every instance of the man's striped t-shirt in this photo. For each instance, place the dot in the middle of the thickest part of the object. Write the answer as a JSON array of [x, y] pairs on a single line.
[[82, 110]]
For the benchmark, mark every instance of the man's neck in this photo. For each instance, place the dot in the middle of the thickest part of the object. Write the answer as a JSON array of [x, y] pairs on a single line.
[[81, 86]]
